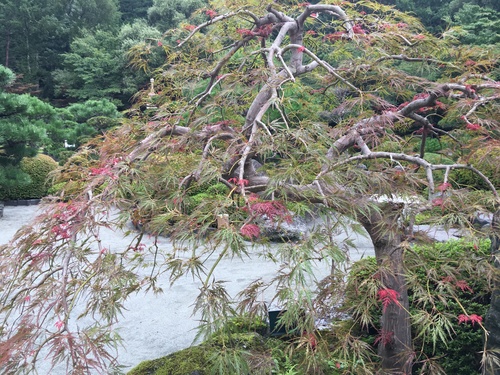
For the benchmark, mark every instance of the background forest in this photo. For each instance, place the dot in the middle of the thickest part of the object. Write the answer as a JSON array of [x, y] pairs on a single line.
[[66, 51]]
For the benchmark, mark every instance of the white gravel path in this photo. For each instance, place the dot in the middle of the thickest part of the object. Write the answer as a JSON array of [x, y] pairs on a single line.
[[156, 325]]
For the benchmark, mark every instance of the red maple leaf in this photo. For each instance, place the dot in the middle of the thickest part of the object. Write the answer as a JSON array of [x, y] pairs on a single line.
[[250, 230], [387, 296], [264, 30], [245, 32], [462, 284], [357, 29], [438, 202], [462, 318], [447, 279], [238, 182], [211, 13], [472, 318], [444, 186], [334, 36], [473, 127], [272, 209], [475, 318]]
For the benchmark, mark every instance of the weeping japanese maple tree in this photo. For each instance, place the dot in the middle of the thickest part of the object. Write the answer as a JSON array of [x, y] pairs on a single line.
[[263, 114]]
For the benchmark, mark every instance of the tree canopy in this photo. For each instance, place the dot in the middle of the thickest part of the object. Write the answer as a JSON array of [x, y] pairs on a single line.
[[327, 110], [21, 131]]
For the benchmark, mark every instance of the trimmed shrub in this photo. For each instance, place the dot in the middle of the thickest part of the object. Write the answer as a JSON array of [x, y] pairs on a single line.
[[38, 169], [487, 160]]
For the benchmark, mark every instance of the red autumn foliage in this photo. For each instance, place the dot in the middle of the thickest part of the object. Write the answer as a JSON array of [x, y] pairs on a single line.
[[264, 31], [438, 202], [463, 286], [357, 29], [384, 337], [473, 127], [444, 186], [472, 318], [211, 13], [470, 88], [103, 171], [250, 230], [238, 182], [447, 279], [245, 32], [273, 210], [387, 296], [334, 36], [312, 341]]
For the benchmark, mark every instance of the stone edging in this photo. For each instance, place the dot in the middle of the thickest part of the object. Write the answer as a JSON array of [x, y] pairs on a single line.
[[17, 202], [21, 202]]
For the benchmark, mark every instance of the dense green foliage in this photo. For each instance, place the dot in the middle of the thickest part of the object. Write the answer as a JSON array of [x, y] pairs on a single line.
[[446, 282], [36, 34], [29, 125], [53, 44], [22, 132], [97, 65], [479, 18], [38, 169]]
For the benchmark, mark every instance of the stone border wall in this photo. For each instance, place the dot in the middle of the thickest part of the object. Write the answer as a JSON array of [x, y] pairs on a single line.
[[17, 202]]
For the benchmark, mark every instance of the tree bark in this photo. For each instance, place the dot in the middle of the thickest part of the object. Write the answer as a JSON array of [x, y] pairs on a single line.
[[7, 50], [395, 341]]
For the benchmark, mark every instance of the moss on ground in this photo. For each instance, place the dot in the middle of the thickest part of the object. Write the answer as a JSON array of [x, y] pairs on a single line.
[[190, 361]]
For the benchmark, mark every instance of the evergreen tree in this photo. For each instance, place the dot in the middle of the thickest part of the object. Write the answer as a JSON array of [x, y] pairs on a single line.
[[21, 131]]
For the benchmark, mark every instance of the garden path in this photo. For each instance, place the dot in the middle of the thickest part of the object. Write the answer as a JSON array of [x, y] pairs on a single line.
[[156, 325]]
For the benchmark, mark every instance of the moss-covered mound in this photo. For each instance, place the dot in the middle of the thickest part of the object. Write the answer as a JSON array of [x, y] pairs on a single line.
[[190, 361], [243, 353]]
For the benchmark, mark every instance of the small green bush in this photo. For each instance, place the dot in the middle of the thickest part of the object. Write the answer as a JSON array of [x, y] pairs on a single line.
[[38, 169], [486, 160]]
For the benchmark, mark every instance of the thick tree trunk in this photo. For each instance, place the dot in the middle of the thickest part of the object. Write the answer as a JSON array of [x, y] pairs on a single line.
[[395, 342], [7, 50], [492, 319]]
